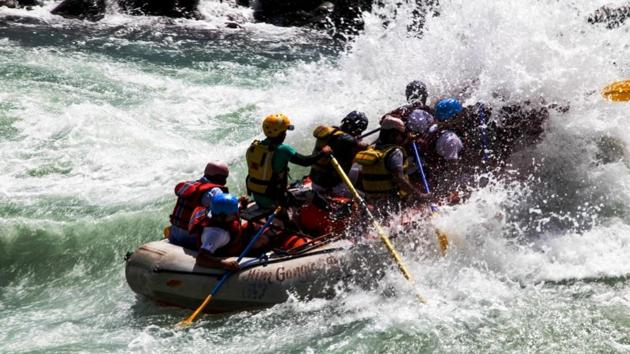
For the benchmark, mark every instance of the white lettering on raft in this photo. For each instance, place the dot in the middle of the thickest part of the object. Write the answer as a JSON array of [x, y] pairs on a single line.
[[282, 273]]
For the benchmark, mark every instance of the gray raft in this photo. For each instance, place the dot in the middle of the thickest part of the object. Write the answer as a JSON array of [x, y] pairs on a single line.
[[167, 274]]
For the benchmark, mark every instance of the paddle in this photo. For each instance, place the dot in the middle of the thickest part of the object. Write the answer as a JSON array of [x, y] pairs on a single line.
[[368, 133], [441, 236], [618, 91], [188, 321], [381, 233]]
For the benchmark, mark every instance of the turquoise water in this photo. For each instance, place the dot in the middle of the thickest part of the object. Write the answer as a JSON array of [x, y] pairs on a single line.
[[99, 121]]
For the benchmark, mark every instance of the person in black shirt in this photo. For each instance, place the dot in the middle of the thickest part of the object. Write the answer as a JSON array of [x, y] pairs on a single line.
[[345, 144]]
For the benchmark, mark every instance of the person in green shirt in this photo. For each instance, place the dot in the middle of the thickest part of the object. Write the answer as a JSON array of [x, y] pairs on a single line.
[[268, 162]]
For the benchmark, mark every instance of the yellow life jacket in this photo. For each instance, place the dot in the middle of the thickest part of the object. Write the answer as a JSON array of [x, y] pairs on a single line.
[[322, 169], [260, 176], [377, 180]]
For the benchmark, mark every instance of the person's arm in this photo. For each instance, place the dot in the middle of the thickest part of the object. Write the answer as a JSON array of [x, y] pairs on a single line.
[[395, 165], [406, 186], [212, 239], [304, 160], [206, 259]]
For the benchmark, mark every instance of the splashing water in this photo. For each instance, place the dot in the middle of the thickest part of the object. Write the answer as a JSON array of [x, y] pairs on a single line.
[[99, 121]]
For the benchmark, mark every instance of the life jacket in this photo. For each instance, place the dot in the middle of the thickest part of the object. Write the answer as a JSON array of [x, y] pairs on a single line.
[[293, 241], [322, 172], [200, 220], [260, 178], [403, 112], [189, 195], [377, 180], [322, 216]]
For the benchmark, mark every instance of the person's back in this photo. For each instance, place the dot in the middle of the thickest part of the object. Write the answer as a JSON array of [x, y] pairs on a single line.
[[383, 165], [268, 162], [416, 94], [192, 194], [221, 233], [344, 144], [444, 153]]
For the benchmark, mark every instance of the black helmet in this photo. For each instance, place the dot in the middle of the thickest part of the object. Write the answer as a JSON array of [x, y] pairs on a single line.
[[416, 91], [354, 123]]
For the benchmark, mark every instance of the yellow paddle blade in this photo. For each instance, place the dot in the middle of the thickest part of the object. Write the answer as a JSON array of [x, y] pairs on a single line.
[[167, 232], [618, 91], [442, 241], [190, 319]]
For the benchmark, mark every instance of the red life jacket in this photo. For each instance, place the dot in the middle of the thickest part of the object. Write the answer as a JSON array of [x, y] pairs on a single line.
[[189, 195], [294, 241], [318, 220]]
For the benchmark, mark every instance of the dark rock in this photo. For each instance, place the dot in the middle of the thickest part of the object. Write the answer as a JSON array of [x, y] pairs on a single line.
[[334, 15], [91, 10], [19, 3], [168, 8], [611, 16]]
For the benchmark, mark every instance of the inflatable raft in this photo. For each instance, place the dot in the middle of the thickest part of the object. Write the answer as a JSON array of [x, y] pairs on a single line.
[[167, 274]]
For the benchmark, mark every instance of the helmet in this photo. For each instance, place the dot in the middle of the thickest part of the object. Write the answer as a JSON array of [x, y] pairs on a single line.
[[447, 109], [416, 91], [224, 203], [276, 124], [355, 122], [420, 121], [216, 168], [390, 122], [449, 145]]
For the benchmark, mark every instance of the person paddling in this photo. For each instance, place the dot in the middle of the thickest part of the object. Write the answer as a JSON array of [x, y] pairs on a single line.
[[221, 233], [345, 143], [268, 162], [416, 93], [192, 194], [444, 148], [383, 165]]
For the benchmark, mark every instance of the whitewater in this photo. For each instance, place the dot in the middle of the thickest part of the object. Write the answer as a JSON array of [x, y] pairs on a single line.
[[99, 121]]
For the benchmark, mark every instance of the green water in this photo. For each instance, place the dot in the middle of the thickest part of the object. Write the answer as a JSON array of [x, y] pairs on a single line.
[[99, 121]]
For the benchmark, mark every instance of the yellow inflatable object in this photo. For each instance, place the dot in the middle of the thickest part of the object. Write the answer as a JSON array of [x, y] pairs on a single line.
[[618, 91]]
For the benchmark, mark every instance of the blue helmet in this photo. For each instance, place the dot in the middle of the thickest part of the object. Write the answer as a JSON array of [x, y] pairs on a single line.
[[224, 203], [447, 109]]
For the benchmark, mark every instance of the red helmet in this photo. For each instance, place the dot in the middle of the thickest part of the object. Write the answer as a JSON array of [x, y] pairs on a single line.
[[216, 168]]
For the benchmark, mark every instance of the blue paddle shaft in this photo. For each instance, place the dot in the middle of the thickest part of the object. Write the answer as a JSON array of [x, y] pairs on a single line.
[[416, 155], [251, 243]]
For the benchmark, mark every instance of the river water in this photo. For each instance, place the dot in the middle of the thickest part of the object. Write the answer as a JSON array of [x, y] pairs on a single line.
[[99, 121]]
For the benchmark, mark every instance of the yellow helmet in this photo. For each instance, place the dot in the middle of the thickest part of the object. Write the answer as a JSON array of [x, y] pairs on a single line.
[[276, 124]]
